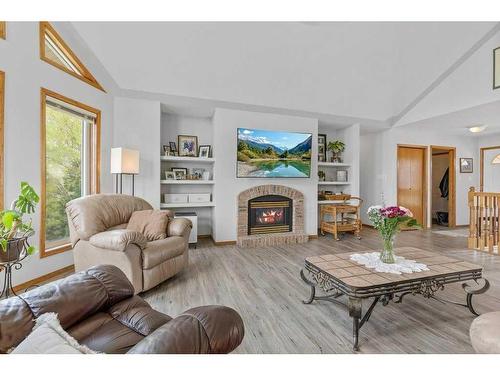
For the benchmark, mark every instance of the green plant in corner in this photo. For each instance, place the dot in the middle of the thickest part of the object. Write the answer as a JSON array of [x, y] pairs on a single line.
[[13, 225], [336, 147]]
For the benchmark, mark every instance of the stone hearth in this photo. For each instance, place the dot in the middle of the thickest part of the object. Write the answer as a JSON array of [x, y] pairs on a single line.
[[297, 235]]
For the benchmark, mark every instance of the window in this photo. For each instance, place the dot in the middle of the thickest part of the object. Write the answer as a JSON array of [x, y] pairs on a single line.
[[3, 29], [70, 164], [56, 52]]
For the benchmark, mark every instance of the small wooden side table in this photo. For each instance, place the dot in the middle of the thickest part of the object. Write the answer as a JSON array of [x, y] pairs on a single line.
[[341, 222]]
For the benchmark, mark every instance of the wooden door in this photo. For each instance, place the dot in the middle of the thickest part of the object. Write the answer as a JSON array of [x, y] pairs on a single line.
[[411, 180]]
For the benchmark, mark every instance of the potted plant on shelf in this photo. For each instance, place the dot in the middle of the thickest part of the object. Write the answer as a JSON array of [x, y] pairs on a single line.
[[389, 221], [336, 147], [15, 229]]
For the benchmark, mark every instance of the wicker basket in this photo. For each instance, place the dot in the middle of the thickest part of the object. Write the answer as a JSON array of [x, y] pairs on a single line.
[[337, 197]]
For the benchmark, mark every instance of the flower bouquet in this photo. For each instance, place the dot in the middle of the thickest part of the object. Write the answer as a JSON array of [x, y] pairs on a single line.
[[388, 221]]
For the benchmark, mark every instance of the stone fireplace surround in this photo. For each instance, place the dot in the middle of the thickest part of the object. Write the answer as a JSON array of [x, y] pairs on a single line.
[[297, 235]]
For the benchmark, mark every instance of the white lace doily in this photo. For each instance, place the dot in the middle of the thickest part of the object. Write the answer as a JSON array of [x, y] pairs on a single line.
[[402, 265]]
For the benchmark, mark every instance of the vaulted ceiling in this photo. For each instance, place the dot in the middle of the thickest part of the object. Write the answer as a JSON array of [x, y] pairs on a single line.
[[368, 70]]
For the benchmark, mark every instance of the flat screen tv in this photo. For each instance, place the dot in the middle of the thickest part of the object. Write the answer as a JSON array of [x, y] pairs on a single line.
[[273, 154]]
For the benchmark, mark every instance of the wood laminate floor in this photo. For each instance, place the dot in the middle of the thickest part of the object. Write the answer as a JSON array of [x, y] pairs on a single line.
[[264, 286]]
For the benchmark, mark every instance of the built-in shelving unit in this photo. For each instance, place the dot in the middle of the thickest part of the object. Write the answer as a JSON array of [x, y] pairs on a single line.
[[187, 205], [186, 186]]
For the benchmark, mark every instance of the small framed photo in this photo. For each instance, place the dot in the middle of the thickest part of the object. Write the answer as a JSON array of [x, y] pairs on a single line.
[[204, 151], [188, 145], [197, 173], [321, 147], [173, 148], [169, 175], [166, 150], [466, 165], [180, 173]]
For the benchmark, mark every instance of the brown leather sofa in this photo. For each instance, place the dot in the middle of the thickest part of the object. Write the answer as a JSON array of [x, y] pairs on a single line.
[[99, 309], [97, 226]]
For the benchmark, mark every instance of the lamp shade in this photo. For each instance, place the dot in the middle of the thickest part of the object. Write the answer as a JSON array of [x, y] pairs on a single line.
[[496, 159], [124, 160]]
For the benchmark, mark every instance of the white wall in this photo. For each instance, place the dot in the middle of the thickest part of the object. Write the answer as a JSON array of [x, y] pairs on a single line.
[[228, 187], [379, 164], [372, 178], [25, 74], [137, 126], [171, 126]]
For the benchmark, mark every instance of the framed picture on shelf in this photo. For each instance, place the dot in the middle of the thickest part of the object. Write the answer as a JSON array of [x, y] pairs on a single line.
[[342, 176], [496, 68], [197, 173], [173, 148], [180, 173], [166, 150], [321, 147], [169, 175], [188, 145], [466, 165], [204, 151]]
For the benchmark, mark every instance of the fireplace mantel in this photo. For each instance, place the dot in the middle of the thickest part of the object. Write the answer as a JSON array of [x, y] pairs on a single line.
[[297, 235]]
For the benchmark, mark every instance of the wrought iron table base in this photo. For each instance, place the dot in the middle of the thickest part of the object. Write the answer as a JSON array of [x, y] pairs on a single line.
[[355, 306]]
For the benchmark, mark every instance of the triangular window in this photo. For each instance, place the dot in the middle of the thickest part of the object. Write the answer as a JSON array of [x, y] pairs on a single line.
[[57, 53]]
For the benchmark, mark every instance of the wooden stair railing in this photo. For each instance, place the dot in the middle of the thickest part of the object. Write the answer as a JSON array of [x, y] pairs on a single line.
[[484, 210]]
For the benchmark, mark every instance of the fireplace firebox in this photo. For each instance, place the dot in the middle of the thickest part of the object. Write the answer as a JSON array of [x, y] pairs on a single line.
[[270, 214]]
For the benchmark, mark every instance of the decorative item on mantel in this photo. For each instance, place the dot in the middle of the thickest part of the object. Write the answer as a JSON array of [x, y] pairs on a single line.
[[336, 147], [14, 234], [389, 221]]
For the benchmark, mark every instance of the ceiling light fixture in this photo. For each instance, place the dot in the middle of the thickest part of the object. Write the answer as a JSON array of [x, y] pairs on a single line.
[[477, 129]]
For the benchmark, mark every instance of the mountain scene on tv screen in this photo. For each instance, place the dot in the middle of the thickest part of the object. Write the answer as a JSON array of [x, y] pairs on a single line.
[[264, 153]]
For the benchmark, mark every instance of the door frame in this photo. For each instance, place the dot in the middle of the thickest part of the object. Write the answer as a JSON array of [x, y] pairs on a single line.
[[425, 197], [452, 184], [481, 164]]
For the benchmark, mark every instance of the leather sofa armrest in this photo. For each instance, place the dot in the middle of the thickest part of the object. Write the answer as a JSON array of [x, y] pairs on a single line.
[[118, 239], [202, 330], [180, 227]]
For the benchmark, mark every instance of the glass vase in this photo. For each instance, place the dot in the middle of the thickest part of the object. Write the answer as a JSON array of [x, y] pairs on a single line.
[[387, 253]]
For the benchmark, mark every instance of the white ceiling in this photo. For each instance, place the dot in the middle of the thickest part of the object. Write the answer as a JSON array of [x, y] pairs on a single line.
[[338, 70]]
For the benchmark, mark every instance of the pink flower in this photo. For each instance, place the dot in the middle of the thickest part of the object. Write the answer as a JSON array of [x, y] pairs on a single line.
[[394, 211]]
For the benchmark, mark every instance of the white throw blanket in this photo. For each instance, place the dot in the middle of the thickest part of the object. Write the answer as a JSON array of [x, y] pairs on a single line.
[[402, 265]]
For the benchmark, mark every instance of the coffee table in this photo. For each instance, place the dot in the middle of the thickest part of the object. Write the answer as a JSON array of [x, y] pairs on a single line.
[[338, 276]]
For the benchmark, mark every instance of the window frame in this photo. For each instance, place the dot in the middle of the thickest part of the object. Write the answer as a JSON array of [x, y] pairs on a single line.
[[3, 30], [86, 76], [2, 127], [96, 162]]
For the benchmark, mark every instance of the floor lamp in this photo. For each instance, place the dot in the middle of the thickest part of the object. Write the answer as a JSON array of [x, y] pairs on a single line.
[[124, 161]]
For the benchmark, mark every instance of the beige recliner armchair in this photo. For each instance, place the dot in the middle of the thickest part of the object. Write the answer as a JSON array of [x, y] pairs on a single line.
[[97, 226]]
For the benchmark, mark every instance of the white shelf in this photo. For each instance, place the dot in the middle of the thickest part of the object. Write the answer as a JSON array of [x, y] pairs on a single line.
[[331, 201], [187, 205], [330, 164], [187, 182], [187, 159], [333, 183]]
